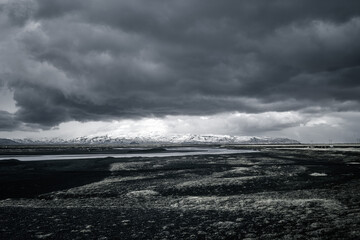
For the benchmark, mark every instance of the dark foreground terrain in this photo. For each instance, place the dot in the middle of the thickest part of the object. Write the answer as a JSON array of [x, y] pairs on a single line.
[[271, 194]]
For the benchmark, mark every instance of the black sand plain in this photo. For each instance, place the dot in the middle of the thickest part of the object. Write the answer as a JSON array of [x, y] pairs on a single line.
[[276, 193]]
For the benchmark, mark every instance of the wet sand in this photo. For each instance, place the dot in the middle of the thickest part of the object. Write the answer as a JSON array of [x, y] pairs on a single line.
[[271, 194]]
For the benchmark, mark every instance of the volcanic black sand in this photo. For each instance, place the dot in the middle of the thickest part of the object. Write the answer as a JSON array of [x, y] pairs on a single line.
[[271, 194]]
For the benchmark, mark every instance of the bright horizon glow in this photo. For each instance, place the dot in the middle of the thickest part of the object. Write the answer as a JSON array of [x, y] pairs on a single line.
[[293, 125]]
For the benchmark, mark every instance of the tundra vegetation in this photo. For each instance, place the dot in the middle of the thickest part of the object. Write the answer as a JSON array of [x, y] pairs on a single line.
[[271, 194]]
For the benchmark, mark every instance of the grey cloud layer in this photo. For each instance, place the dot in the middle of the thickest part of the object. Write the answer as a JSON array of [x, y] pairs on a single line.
[[93, 60]]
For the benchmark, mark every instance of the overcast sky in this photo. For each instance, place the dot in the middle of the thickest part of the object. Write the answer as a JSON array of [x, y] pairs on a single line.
[[284, 68]]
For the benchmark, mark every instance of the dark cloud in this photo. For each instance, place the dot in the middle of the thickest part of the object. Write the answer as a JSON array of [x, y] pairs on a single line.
[[18, 11], [99, 60], [8, 122]]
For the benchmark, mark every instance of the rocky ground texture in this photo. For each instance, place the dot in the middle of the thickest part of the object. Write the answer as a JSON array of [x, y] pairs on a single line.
[[271, 194]]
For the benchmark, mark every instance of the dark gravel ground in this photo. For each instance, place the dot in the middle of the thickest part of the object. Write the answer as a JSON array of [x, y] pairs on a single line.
[[272, 194]]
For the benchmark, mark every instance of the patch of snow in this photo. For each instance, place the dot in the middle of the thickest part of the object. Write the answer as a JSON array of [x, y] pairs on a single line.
[[315, 174]]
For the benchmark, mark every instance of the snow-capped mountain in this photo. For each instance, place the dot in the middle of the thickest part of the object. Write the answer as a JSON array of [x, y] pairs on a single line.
[[161, 139]]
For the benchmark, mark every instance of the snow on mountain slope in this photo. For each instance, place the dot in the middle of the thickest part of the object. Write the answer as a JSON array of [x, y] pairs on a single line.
[[151, 139]]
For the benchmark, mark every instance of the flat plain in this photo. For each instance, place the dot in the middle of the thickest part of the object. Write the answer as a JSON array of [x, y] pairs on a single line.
[[275, 193]]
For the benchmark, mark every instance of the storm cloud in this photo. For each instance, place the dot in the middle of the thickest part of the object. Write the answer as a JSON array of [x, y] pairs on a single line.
[[100, 60]]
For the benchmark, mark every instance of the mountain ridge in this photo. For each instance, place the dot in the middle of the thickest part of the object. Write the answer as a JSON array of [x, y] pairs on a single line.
[[5, 141], [160, 139]]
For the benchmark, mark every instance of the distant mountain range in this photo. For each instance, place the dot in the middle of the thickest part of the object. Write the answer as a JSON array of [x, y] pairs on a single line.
[[5, 141], [156, 139]]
